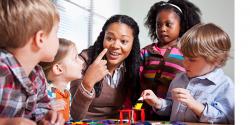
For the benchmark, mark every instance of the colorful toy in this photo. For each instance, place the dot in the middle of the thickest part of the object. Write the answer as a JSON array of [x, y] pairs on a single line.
[[139, 104], [134, 115], [123, 112], [106, 122]]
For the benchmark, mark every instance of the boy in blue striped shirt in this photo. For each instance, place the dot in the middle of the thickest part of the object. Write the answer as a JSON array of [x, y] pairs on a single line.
[[204, 93]]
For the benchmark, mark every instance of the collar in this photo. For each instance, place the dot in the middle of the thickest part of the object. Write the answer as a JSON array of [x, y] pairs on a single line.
[[120, 68], [64, 94], [154, 49], [214, 77]]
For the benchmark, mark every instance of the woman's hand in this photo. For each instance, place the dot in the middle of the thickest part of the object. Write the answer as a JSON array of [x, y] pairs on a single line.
[[95, 72], [151, 98]]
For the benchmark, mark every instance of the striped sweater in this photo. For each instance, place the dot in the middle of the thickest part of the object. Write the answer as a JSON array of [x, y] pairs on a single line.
[[158, 68]]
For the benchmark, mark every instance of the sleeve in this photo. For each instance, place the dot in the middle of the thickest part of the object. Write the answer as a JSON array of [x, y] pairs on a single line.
[[5, 96], [81, 101], [167, 103], [221, 110], [142, 52], [42, 99], [81, 98], [142, 61]]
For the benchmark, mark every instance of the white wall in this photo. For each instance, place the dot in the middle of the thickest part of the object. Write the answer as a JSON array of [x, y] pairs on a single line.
[[220, 12], [106, 8]]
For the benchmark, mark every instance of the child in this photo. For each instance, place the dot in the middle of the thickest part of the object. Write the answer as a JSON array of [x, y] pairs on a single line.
[[204, 93], [67, 66], [28, 32], [161, 61]]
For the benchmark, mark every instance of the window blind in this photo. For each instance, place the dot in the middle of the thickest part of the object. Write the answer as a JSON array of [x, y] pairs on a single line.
[[81, 20]]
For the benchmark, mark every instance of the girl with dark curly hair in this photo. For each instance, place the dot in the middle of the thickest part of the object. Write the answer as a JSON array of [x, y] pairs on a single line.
[[111, 71], [162, 60]]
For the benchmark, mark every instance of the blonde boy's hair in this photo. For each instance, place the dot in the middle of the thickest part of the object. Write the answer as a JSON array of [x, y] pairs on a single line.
[[22, 19], [64, 47], [208, 41]]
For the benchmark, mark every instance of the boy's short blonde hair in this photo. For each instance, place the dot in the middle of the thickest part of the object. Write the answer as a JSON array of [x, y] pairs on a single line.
[[21, 19], [208, 41]]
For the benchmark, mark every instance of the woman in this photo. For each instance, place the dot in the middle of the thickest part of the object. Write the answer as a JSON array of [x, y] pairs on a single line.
[[111, 69]]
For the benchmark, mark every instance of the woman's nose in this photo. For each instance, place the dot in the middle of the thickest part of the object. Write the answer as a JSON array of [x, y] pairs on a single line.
[[116, 44]]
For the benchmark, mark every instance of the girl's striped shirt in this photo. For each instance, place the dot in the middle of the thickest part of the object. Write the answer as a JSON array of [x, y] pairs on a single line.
[[158, 68]]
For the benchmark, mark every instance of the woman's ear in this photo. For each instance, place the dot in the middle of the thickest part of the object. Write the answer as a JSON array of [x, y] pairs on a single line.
[[57, 69]]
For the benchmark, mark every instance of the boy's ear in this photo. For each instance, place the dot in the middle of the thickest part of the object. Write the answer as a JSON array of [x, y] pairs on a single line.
[[39, 38], [217, 63], [57, 69]]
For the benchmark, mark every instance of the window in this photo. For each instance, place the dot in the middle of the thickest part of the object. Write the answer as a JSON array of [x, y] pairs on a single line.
[[81, 20]]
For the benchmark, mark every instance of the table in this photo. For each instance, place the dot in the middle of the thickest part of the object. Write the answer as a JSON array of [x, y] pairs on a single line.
[[116, 122]]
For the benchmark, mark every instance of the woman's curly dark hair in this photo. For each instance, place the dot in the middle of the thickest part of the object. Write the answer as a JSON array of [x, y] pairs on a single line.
[[189, 16], [131, 62]]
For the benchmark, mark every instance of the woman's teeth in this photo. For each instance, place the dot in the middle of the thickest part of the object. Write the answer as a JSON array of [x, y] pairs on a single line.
[[114, 53]]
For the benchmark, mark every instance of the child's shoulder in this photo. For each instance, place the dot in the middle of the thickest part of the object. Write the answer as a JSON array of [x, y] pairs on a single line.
[[222, 82], [179, 81], [6, 60], [147, 49], [4, 70], [221, 78], [150, 46], [181, 76], [3, 54], [51, 91], [38, 69], [226, 81]]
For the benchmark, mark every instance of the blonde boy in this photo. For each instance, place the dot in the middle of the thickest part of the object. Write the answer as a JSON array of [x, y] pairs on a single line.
[[203, 93], [28, 31]]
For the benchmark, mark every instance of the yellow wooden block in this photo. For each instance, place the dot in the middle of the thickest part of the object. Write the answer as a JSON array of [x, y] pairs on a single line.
[[138, 106]]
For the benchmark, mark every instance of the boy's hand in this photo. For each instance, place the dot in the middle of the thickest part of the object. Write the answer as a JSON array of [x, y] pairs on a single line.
[[52, 118], [95, 72], [58, 105], [149, 96], [17, 121], [184, 96]]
